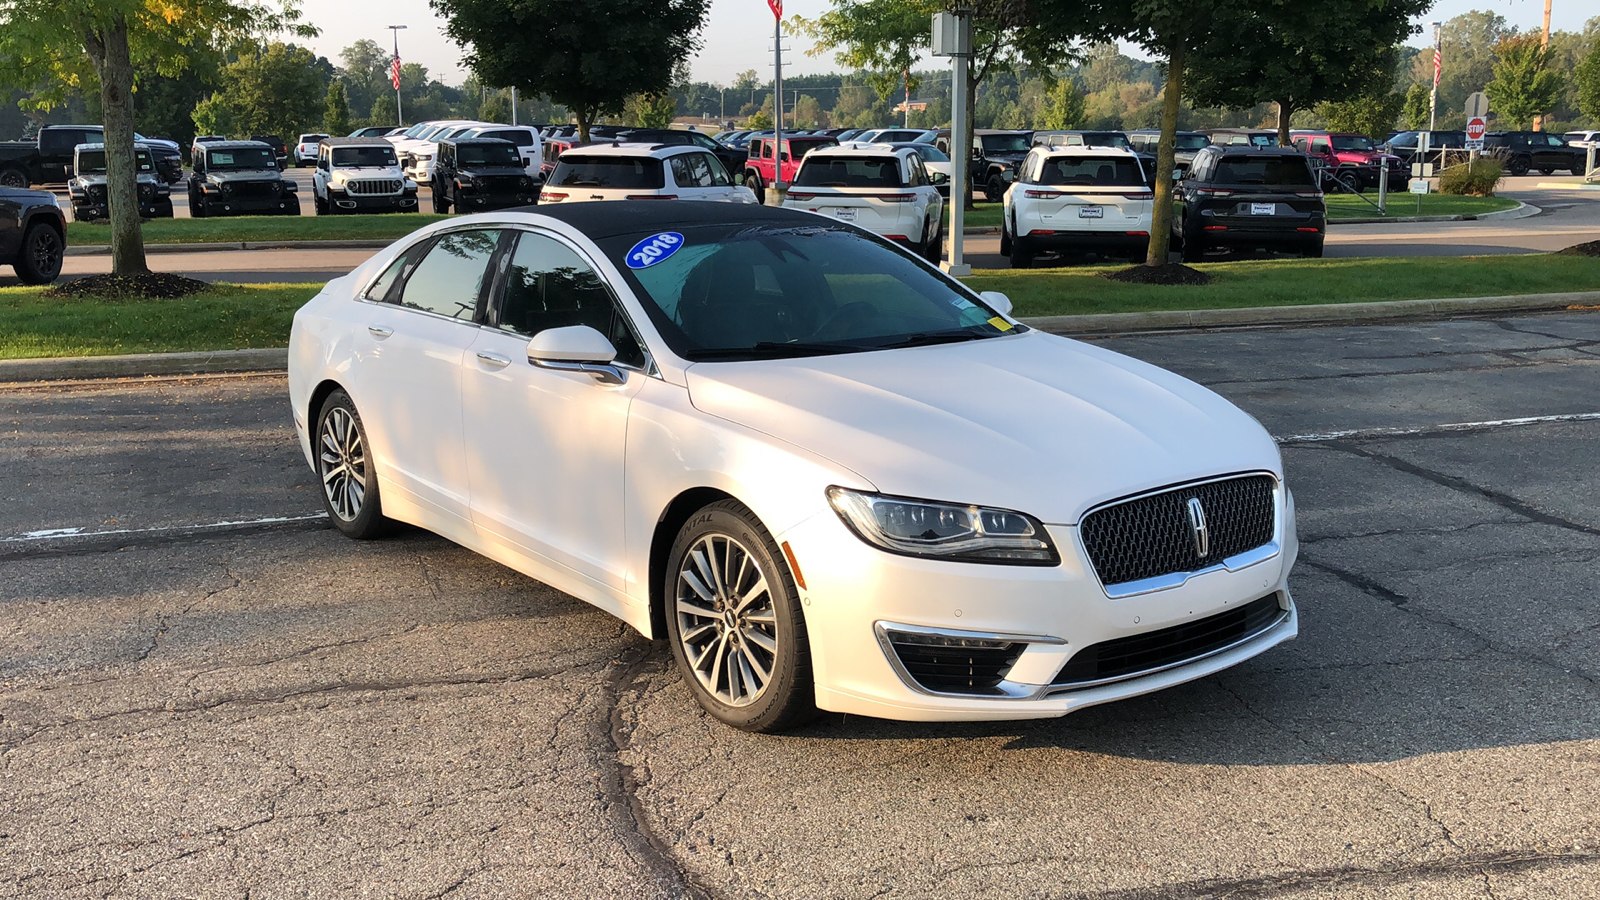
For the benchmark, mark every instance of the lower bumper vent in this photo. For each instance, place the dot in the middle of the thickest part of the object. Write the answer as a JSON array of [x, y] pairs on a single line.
[[1167, 647], [954, 665]]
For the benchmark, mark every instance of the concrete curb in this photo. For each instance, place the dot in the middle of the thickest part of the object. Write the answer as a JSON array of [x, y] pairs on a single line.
[[1520, 211], [277, 359], [103, 249], [1560, 186], [1111, 323]]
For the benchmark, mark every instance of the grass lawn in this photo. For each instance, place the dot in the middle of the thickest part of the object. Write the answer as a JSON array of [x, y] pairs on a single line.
[[229, 316], [1292, 282], [1347, 206], [261, 228], [983, 214]]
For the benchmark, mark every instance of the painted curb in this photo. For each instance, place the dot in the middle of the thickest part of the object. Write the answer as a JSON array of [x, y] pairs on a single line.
[[1113, 323], [277, 359]]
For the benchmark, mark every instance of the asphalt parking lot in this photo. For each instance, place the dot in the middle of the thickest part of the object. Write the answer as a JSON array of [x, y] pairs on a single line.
[[204, 691]]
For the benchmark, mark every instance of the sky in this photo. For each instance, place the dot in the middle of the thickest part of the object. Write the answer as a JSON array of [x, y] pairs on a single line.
[[738, 35]]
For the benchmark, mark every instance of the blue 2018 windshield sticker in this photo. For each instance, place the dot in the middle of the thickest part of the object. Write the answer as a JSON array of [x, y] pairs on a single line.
[[654, 249]]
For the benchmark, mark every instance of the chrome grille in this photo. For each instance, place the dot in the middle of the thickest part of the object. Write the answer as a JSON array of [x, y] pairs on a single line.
[[373, 186], [1152, 535]]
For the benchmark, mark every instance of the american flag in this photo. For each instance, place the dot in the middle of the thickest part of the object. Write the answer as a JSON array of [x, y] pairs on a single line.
[[1438, 65], [394, 72], [777, 8]]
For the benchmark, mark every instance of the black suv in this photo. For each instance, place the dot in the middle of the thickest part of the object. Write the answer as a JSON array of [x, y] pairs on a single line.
[[1524, 150], [1406, 144], [240, 178], [1248, 198], [478, 174], [1146, 140], [995, 157], [732, 159], [33, 234], [279, 148]]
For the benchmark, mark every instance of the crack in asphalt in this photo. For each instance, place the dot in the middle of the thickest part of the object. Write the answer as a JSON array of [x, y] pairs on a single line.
[[117, 543], [1505, 862], [630, 821]]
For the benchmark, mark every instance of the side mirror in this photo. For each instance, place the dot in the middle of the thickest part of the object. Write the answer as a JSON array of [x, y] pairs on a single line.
[[938, 178], [576, 348], [1177, 174], [1000, 302]]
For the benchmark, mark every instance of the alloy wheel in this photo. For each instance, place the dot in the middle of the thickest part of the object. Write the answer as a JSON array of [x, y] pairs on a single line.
[[342, 463], [726, 621], [47, 252]]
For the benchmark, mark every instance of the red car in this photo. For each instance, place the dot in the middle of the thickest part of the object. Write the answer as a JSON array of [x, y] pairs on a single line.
[[759, 169], [1355, 153]]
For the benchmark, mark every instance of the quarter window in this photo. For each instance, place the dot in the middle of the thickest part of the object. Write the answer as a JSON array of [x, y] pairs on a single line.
[[549, 285], [450, 278]]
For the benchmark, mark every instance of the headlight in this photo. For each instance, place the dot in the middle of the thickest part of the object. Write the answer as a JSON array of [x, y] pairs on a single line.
[[227, 188], [944, 530], [75, 190]]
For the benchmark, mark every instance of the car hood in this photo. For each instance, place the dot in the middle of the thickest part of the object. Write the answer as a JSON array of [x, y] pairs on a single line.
[[476, 171], [241, 175], [1031, 422]]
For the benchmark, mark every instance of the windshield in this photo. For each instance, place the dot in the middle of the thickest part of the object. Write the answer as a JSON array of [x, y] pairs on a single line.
[[519, 136], [1190, 142], [737, 292], [487, 155], [1005, 143], [359, 157], [1354, 142], [93, 162], [1098, 171], [631, 172], [930, 153], [1280, 170], [244, 158], [1106, 139], [851, 171]]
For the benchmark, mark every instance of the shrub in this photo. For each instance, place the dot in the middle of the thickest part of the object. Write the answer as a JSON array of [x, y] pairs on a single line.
[[1476, 179]]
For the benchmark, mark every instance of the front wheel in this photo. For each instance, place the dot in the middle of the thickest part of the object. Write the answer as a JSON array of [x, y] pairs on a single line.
[[349, 484], [994, 190], [752, 180], [39, 257], [735, 625], [441, 203]]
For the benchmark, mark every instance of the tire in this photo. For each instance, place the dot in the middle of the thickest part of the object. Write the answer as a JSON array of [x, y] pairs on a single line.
[[1021, 254], [1548, 172], [441, 203], [752, 180], [1190, 251], [933, 251], [1005, 239], [319, 205], [1313, 252], [1519, 167], [726, 537], [13, 178], [39, 256], [294, 208], [164, 211], [994, 189], [197, 205], [350, 486]]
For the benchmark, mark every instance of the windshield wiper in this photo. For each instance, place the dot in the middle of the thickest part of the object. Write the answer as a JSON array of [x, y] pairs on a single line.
[[927, 338]]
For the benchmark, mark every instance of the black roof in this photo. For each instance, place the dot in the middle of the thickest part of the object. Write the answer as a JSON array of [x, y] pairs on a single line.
[[611, 218], [357, 142]]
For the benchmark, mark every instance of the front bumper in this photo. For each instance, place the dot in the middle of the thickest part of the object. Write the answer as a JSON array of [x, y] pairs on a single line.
[[856, 593], [488, 202], [344, 202], [223, 204], [93, 211]]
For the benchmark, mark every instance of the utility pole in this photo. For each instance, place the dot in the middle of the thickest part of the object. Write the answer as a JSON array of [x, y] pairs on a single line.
[[513, 104], [1544, 45], [776, 198], [394, 74]]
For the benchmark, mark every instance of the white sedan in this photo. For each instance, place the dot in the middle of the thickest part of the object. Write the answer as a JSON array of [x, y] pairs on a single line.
[[829, 476]]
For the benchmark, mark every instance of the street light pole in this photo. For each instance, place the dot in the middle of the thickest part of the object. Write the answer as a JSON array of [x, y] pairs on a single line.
[[399, 112]]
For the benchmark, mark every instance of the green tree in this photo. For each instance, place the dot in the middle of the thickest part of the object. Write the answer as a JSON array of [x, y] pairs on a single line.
[[1523, 85], [1414, 112], [495, 107], [336, 109], [383, 111], [1373, 115], [651, 110], [1588, 79], [1468, 62], [277, 89], [807, 113], [1301, 54], [589, 57], [364, 68], [1064, 106], [760, 120], [54, 47]]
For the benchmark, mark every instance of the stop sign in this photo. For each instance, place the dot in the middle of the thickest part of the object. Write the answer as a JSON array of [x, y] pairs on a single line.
[[1476, 126]]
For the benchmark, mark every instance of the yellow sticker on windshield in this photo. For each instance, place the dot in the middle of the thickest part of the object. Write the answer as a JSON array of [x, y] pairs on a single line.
[[1000, 323]]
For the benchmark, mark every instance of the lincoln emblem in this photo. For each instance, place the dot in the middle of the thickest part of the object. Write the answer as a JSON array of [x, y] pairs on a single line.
[[1197, 528]]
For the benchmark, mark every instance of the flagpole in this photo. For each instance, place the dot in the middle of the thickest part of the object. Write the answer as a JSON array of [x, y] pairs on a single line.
[[399, 112]]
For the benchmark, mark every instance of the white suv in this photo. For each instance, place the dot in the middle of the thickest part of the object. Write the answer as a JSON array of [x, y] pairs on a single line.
[[417, 158], [529, 147], [641, 172], [357, 175], [305, 149], [886, 190], [1077, 199]]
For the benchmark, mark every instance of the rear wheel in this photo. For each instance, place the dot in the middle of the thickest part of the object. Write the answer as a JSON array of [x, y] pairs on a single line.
[[39, 257], [13, 178], [1519, 166], [1021, 254], [1314, 251], [994, 189], [349, 484], [1005, 240], [934, 248], [735, 624]]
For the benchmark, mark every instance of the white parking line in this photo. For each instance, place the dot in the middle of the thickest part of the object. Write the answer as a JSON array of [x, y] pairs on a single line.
[[53, 534], [1487, 425]]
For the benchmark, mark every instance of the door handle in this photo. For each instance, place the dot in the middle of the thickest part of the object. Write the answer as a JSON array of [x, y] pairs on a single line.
[[380, 331], [493, 359]]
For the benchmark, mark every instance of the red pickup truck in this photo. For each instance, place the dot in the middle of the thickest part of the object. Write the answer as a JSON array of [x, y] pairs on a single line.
[[759, 168], [1352, 152]]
